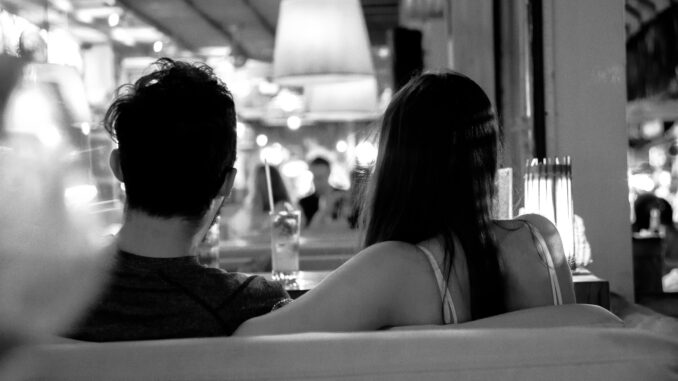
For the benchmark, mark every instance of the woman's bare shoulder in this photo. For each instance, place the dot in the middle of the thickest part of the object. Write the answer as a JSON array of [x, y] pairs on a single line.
[[537, 221], [395, 253], [517, 228], [541, 223]]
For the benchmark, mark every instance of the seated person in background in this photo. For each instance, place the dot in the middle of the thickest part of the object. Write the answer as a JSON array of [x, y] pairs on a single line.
[[325, 205], [253, 220], [175, 130], [654, 216], [652, 213], [432, 254], [253, 217]]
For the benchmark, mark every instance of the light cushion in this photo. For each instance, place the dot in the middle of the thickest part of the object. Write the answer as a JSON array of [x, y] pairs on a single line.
[[566, 315], [565, 353]]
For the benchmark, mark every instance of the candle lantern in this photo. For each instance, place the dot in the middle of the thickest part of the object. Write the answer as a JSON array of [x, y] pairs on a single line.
[[548, 192]]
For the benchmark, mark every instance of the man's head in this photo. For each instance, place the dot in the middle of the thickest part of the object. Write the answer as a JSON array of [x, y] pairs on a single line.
[[176, 135], [321, 169]]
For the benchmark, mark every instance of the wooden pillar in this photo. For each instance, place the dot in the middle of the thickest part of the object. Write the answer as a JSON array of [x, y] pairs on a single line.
[[585, 88], [472, 29]]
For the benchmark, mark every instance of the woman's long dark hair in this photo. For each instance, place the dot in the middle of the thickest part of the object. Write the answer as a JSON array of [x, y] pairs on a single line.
[[434, 177]]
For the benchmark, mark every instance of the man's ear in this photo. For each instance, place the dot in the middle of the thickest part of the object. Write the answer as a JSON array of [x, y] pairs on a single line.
[[114, 162], [228, 183]]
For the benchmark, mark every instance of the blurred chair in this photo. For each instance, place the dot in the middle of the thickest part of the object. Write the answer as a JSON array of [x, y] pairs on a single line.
[[52, 256]]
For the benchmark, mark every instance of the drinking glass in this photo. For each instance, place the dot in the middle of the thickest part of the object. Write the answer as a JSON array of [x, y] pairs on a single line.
[[285, 246]]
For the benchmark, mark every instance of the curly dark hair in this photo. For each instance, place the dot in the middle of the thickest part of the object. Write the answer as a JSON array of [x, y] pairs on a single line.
[[176, 133]]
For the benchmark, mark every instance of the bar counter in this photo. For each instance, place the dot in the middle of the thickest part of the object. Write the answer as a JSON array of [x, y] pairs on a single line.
[[317, 250]]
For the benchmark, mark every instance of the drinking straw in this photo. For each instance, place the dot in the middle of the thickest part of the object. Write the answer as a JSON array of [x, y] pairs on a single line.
[[563, 224], [562, 208], [550, 193], [530, 195], [526, 185], [268, 186], [535, 184], [541, 167], [570, 203]]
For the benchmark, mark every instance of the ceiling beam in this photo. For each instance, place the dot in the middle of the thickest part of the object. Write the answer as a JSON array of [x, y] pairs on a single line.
[[260, 18], [630, 10], [236, 46], [151, 21], [648, 4]]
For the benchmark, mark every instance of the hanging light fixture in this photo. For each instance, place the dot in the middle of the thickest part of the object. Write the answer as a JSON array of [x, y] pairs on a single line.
[[350, 100], [319, 41]]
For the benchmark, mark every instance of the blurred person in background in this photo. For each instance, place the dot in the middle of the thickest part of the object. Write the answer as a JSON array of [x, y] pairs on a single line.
[[252, 219], [52, 253], [32, 47], [325, 206], [176, 135], [654, 218]]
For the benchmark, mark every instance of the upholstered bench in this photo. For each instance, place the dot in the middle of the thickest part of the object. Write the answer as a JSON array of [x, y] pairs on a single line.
[[575, 342]]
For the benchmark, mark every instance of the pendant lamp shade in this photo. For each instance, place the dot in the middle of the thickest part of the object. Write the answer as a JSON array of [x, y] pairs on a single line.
[[342, 101], [320, 41]]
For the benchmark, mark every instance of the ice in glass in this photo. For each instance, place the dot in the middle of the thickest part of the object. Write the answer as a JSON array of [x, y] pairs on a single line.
[[285, 245]]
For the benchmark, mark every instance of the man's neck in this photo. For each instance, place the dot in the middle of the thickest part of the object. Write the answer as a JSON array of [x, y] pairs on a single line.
[[155, 237]]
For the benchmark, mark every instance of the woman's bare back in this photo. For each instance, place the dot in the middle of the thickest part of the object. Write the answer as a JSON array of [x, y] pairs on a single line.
[[525, 270]]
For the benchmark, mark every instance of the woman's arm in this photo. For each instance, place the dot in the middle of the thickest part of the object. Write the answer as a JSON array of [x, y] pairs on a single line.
[[555, 246], [387, 284], [567, 315]]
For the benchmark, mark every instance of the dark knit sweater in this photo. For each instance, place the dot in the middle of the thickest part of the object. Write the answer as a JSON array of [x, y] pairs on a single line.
[[160, 298]]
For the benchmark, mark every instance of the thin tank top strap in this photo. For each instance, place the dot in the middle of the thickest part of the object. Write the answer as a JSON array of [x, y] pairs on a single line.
[[449, 312], [545, 253]]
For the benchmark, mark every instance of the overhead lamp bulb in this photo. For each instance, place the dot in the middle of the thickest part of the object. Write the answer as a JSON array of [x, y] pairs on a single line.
[[157, 46], [293, 122], [113, 20], [313, 40]]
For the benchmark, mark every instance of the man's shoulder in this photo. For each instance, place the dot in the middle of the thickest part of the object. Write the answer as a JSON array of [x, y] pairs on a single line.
[[233, 279], [188, 276], [219, 274], [309, 197], [309, 204], [246, 284]]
